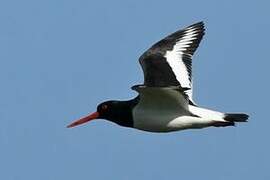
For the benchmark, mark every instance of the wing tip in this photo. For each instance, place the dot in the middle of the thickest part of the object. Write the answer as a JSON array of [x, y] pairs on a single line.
[[200, 23], [199, 26]]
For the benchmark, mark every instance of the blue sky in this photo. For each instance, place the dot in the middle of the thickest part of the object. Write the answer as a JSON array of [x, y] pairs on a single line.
[[59, 59]]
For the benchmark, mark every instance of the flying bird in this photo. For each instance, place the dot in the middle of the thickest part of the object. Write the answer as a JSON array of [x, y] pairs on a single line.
[[164, 102]]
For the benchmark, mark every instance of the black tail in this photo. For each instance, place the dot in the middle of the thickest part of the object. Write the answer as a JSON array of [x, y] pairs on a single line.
[[233, 117]]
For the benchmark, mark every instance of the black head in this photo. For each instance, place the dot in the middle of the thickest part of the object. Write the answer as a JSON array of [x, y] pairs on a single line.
[[119, 112], [107, 109]]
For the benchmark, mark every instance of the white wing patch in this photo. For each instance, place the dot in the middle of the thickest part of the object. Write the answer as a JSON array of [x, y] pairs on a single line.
[[175, 58], [178, 67]]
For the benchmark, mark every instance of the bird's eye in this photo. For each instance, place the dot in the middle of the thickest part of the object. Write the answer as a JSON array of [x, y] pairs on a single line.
[[104, 107]]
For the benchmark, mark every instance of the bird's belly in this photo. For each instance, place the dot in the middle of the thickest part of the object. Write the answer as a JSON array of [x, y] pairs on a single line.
[[158, 121], [167, 122], [163, 110], [152, 124]]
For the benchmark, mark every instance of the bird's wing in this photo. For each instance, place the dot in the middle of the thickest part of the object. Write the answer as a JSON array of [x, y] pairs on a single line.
[[162, 98], [169, 61]]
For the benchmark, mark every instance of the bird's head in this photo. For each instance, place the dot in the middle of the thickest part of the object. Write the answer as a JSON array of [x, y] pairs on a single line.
[[105, 110]]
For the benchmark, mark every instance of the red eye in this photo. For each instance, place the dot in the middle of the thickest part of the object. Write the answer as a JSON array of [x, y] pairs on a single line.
[[104, 107]]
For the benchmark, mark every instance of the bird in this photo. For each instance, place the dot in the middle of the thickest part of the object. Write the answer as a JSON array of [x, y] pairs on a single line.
[[164, 102]]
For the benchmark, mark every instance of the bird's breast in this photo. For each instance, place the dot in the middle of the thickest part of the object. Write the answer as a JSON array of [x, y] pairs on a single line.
[[155, 119], [157, 107]]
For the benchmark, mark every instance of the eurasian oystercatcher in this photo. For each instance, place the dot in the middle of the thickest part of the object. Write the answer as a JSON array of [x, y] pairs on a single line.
[[164, 102]]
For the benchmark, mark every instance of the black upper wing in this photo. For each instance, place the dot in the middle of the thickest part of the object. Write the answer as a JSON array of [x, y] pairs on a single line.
[[169, 61]]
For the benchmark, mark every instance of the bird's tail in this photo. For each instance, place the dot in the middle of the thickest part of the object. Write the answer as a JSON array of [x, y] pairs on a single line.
[[235, 117], [230, 119], [219, 119]]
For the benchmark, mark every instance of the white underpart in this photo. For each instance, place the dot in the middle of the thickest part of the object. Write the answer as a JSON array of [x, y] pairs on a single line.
[[164, 110], [174, 59], [205, 119], [206, 113], [157, 107]]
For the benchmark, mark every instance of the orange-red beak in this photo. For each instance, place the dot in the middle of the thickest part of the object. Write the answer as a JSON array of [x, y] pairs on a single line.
[[85, 119]]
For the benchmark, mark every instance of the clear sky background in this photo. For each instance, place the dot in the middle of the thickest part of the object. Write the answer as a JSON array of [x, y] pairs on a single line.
[[59, 59]]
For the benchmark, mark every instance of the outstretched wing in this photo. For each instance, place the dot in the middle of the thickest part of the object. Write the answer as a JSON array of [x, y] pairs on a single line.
[[169, 61]]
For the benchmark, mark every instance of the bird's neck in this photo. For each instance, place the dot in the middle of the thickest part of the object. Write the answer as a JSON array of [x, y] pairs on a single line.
[[122, 112]]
